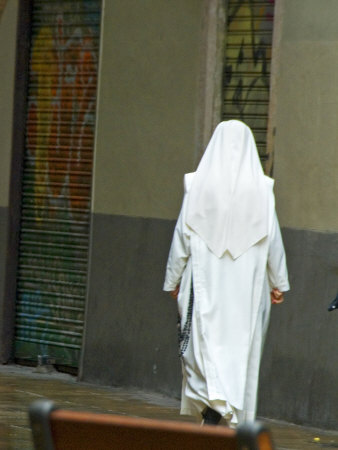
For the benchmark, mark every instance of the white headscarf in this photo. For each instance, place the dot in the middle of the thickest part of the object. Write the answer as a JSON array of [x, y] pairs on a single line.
[[228, 200]]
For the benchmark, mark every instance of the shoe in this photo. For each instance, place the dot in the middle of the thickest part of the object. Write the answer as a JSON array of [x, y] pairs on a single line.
[[210, 416]]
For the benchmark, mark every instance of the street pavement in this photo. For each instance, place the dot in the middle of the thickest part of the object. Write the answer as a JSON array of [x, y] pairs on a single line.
[[19, 386]]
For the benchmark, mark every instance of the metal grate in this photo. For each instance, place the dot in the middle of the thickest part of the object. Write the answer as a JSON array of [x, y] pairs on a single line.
[[54, 235], [247, 69]]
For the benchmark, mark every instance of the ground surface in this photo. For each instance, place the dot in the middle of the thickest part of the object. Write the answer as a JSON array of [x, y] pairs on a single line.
[[19, 386]]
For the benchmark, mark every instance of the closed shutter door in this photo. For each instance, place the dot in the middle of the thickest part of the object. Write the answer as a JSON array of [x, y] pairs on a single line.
[[247, 69], [54, 235]]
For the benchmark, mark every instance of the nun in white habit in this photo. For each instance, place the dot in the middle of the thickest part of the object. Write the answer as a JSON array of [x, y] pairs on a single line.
[[226, 266]]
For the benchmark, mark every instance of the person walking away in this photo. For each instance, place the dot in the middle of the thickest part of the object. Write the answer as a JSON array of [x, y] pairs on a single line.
[[226, 266]]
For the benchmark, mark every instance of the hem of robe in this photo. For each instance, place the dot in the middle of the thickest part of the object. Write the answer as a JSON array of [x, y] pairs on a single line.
[[193, 404], [229, 414], [231, 419]]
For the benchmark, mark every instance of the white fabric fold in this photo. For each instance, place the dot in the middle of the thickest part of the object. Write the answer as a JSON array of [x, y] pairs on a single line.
[[227, 205]]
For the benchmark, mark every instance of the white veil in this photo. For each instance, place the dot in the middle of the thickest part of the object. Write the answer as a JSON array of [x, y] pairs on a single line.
[[228, 200]]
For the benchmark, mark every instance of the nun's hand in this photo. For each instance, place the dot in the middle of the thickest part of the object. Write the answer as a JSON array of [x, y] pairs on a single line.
[[174, 293], [276, 296]]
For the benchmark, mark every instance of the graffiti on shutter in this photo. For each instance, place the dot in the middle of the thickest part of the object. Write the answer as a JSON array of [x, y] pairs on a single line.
[[247, 66], [54, 235]]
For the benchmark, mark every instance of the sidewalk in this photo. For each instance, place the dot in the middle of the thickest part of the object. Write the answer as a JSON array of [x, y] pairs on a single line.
[[19, 386]]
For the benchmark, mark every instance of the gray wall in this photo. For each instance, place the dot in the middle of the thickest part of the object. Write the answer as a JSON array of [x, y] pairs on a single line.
[[149, 91], [300, 363], [149, 112], [3, 251], [131, 336], [8, 29], [147, 129]]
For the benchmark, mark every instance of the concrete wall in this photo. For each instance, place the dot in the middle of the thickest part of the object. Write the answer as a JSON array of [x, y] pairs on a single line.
[[8, 29], [300, 362], [306, 159], [130, 335], [156, 82], [146, 140], [147, 102], [300, 365], [147, 129], [7, 58]]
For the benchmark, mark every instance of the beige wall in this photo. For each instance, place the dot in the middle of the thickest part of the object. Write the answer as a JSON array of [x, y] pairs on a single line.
[[7, 61], [306, 144], [2, 6], [149, 100], [148, 92]]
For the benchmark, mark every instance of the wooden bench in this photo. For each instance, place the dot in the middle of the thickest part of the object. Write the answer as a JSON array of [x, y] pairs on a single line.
[[58, 429]]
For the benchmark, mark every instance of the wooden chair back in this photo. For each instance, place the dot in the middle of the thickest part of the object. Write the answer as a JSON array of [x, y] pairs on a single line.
[[57, 429]]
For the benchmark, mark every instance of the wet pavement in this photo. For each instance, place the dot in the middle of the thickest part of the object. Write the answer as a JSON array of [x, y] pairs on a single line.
[[19, 386]]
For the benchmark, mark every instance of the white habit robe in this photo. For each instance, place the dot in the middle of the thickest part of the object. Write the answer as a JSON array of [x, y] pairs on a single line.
[[230, 314]]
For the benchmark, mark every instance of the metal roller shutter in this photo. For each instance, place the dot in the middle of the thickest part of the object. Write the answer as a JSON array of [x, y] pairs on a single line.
[[54, 235], [247, 70]]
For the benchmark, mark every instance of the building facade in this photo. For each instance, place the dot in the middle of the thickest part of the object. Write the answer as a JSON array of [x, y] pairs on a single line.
[[104, 107]]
